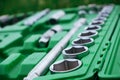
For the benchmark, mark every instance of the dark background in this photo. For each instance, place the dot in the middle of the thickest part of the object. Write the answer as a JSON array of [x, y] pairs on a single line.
[[18, 6]]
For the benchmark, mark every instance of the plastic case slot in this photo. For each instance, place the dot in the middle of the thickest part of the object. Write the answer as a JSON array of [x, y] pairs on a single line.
[[114, 28], [111, 66]]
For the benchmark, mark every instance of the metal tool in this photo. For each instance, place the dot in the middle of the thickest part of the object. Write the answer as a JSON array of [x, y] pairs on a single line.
[[56, 28], [65, 65], [83, 41], [106, 11], [100, 18], [44, 39], [75, 52], [40, 68], [31, 20], [92, 8], [93, 27], [3, 18], [54, 18], [82, 13], [97, 23], [83, 7], [88, 33]]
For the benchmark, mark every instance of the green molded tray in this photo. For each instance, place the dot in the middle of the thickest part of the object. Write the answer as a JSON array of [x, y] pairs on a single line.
[[19, 50]]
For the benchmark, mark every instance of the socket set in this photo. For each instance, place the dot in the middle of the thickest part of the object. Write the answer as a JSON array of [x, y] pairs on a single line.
[[79, 43]]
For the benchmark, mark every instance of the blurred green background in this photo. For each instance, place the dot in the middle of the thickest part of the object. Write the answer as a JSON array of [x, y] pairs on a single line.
[[17, 6]]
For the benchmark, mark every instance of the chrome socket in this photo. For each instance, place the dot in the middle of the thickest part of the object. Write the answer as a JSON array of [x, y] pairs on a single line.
[[93, 27], [75, 52], [97, 23], [103, 15], [82, 7], [100, 18], [82, 13], [89, 33], [92, 8], [83, 41], [65, 65], [56, 16]]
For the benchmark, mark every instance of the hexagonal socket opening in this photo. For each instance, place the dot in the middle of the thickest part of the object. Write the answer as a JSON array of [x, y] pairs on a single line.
[[65, 65], [83, 41], [97, 23], [75, 52], [93, 27], [104, 15], [89, 33], [100, 18], [74, 49]]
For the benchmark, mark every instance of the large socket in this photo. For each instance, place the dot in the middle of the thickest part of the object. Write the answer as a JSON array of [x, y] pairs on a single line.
[[65, 65]]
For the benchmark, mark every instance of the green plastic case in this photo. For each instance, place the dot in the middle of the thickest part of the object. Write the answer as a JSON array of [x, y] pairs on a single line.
[[20, 51]]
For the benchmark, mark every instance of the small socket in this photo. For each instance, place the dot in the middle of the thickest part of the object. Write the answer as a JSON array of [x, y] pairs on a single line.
[[104, 14], [92, 7], [45, 38], [93, 27], [75, 52], [83, 41], [88, 33], [82, 7], [100, 18], [82, 13], [56, 16], [97, 22], [65, 65], [57, 28], [99, 7]]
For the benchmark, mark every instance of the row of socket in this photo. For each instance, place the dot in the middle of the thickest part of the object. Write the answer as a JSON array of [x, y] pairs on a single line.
[[93, 8], [80, 45], [90, 9]]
